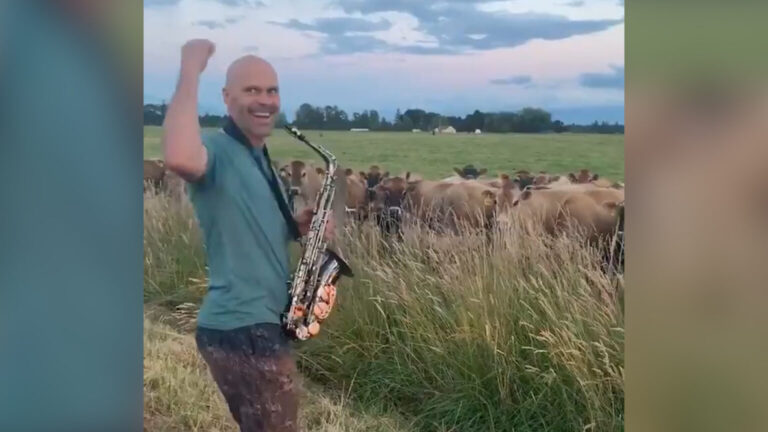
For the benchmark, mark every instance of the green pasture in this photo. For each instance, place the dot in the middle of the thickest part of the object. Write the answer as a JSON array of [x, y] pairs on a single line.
[[434, 156]]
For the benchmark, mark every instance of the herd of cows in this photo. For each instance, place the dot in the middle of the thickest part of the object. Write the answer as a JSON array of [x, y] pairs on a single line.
[[468, 199]]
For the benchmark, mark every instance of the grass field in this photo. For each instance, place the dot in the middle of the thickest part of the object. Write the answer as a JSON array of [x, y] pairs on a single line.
[[436, 333], [434, 156]]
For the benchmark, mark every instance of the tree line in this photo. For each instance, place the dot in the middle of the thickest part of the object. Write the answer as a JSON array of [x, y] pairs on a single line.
[[526, 120]]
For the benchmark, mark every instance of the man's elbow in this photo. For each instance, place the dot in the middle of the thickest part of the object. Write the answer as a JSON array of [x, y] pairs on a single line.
[[189, 170]]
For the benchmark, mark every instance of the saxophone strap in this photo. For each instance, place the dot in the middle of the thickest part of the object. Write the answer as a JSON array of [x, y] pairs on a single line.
[[231, 129]]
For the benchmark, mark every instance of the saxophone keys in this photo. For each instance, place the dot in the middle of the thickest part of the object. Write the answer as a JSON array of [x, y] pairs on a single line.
[[302, 333], [328, 294], [299, 311], [313, 329], [322, 310]]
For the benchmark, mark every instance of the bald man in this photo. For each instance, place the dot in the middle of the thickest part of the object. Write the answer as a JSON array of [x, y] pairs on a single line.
[[247, 229]]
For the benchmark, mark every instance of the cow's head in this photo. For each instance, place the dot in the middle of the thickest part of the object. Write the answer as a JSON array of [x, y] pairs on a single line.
[[469, 172], [584, 176], [374, 176], [388, 198], [544, 179], [509, 191], [524, 178], [303, 182]]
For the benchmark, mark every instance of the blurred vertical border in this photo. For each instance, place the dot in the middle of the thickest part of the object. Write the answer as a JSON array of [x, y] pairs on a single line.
[[70, 215], [697, 216]]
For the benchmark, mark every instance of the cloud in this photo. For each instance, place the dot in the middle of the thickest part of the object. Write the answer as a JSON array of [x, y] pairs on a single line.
[[613, 79], [234, 20], [214, 24], [238, 3], [514, 80], [350, 44], [211, 24], [160, 3], [455, 25], [338, 25], [575, 3]]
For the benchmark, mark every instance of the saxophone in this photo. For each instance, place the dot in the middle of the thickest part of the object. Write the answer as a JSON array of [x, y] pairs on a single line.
[[312, 289]]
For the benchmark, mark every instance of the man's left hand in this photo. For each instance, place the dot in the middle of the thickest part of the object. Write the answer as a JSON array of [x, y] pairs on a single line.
[[304, 219]]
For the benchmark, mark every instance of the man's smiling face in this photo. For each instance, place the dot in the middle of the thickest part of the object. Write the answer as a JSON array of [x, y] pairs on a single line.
[[252, 96]]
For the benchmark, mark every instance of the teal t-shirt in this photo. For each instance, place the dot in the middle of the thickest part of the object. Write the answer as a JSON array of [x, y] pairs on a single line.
[[245, 235]]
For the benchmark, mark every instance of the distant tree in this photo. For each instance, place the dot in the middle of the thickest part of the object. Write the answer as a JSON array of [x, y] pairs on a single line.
[[374, 123], [281, 120]]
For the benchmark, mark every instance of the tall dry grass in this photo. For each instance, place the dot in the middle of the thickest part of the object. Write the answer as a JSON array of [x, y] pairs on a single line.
[[448, 331], [180, 395]]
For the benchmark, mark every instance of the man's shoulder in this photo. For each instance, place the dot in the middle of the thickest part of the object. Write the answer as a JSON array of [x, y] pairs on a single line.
[[218, 142], [213, 136]]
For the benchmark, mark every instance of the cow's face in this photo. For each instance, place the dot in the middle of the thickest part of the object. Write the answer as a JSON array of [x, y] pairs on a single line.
[[303, 182], [387, 203], [543, 178], [584, 176], [373, 177], [390, 193], [509, 192]]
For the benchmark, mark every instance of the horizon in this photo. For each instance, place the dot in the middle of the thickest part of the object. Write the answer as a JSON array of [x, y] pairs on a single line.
[[291, 117], [451, 56]]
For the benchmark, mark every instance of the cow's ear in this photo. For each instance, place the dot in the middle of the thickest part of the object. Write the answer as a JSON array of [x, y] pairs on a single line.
[[594, 177], [385, 175], [320, 170], [458, 171], [482, 171], [407, 175], [572, 178], [610, 205], [348, 172]]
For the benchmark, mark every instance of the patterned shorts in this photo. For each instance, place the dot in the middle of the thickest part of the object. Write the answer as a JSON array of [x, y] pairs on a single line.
[[255, 370]]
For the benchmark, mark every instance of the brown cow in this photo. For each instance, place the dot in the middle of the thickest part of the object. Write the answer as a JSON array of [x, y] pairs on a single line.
[[469, 204], [469, 172], [304, 181], [356, 200], [584, 176], [595, 211], [373, 177], [453, 205], [154, 173]]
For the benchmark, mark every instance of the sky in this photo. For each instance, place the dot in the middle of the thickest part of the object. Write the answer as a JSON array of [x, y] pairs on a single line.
[[448, 56]]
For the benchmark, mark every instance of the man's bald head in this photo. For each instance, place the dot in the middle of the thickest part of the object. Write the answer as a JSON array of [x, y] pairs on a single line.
[[246, 66], [252, 97]]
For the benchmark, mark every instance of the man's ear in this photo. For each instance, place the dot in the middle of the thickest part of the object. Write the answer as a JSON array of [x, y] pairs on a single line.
[[225, 95]]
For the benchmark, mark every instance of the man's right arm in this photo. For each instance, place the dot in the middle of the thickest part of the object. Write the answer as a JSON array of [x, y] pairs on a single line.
[[183, 147]]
